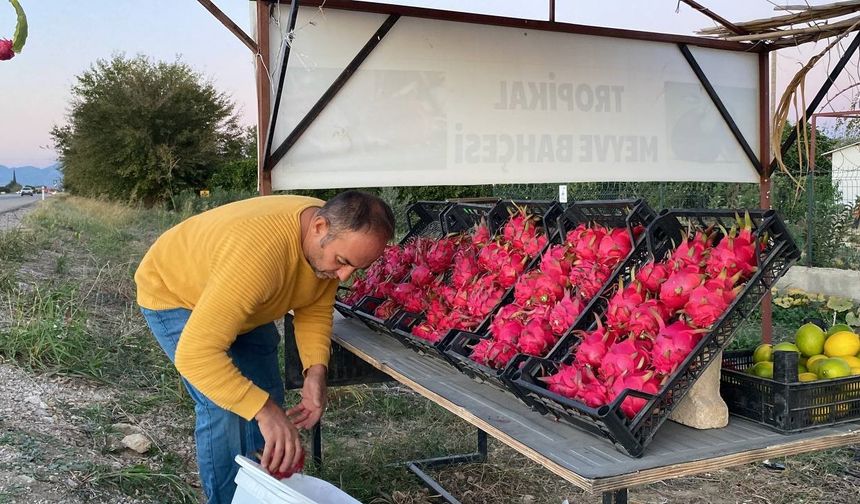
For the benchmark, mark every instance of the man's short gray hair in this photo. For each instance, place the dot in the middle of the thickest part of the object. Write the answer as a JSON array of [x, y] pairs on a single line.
[[358, 211]]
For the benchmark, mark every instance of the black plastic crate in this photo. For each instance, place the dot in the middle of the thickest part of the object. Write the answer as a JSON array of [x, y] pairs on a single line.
[[787, 407], [423, 218], [611, 214], [458, 352], [344, 367], [401, 328], [364, 312], [343, 308], [631, 436], [462, 217]]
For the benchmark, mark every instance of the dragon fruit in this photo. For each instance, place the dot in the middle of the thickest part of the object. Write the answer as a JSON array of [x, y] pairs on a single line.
[[672, 345], [623, 357], [705, 306], [646, 318], [536, 338], [615, 245], [646, 382], [465, 268], [495, 354], [675, 291], [566, 382], [652, 275], [564, 314], [555, 265], [691, 252], [592, 391], [6, 52], [440, 254], [594, 346]]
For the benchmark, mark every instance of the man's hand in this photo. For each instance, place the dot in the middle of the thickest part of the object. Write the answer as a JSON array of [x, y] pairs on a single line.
[[283, 444], [308, 412]]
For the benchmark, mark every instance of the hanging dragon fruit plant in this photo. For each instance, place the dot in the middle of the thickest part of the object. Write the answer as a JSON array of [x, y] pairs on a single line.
[[8, 48]]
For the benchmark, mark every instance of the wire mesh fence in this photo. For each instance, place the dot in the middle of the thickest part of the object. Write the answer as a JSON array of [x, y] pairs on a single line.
[[831, 220]]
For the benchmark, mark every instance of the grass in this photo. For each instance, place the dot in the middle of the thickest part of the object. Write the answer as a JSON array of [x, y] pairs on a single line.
[[68, 308]]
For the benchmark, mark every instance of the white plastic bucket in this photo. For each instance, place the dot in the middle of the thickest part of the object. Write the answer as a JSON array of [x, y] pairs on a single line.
[[255, 486]]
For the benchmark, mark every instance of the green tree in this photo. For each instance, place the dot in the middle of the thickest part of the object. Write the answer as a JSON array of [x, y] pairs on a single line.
[[238, 172], [143, 131]]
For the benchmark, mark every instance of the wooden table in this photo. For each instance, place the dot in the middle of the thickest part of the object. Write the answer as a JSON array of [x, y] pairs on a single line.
[[587, 461]]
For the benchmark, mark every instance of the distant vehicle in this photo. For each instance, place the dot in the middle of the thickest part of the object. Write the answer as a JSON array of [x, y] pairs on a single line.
[[27, 191]]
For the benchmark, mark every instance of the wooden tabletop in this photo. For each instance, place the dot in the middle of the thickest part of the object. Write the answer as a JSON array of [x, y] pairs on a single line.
[[585, 460]]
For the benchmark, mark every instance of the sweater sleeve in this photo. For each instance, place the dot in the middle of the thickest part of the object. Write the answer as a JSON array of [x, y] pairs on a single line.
[[313, 329], [241, 278]]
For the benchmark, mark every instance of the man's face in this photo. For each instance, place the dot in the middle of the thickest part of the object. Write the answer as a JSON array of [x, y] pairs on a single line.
[[340, 256]]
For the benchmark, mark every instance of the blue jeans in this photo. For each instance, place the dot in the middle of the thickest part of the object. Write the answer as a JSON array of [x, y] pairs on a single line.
[[220, 434]]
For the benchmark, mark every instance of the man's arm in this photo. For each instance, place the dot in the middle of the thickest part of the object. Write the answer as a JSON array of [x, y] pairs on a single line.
[[241, 279], [313, 339]]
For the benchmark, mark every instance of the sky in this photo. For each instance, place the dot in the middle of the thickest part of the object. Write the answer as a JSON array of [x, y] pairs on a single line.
[[66, 37]]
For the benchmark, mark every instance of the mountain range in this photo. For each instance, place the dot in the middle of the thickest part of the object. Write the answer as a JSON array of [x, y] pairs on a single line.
[[32, 175]]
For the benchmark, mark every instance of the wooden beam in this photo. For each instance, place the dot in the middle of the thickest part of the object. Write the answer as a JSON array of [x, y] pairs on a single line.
[[264, 97], [719, 19], [233, 27], [766, 181]]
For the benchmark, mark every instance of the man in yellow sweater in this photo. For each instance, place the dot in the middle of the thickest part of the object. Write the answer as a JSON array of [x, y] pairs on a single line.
[[211, 288]]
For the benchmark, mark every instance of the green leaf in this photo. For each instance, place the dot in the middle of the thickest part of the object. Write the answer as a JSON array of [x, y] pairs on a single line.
[[20, 36], [852, 320], [838, 304]]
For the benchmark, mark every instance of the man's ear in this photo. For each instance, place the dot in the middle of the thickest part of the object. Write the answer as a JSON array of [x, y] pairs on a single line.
[[319, 226]]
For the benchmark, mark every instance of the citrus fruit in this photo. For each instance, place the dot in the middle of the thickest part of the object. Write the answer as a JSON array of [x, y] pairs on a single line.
[[838, 328], [851, 360], [809, 339], [763, 369], [786, 346], [806, 377], [855, 371], [833, 368], [801, 369], [763, 353], [812, 362], [842, 344]]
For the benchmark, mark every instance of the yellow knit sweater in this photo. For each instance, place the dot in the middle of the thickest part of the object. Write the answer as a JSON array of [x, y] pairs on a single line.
[[237, 267]]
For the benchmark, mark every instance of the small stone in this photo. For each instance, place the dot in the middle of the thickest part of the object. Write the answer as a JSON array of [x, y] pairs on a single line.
[[137, 442], [528, 499]]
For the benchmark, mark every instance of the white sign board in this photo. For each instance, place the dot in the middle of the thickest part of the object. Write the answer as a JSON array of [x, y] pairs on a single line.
[[449, 103]]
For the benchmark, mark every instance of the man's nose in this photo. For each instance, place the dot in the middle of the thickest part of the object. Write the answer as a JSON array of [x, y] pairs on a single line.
[[344, 272]]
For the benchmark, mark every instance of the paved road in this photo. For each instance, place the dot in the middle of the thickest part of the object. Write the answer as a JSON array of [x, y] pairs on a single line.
[[12, 201]]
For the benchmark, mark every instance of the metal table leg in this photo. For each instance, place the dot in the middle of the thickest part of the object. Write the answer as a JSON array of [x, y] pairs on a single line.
[[418, 466], [615, 497]]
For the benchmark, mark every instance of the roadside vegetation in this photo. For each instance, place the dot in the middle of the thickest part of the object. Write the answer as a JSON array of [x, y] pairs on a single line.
[[71, 318]]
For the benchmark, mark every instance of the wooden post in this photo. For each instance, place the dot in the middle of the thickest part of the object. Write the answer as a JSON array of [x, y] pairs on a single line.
[[264, 177], [766, 182]]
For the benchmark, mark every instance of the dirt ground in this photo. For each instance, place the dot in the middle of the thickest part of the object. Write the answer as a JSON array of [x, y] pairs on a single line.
[[59, 444]]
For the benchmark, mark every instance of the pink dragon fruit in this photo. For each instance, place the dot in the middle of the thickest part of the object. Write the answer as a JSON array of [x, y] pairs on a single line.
[[615, 245], [495, 354], [465, 268], [566, 382], [675, 291], [705, 306], [564, 314], [646, 318], [672, 345], [555, 265], [652, 275], [623, 357], [594, 346], [536, 338], [592, 391], [440, 255], [6, 52], [646, 382]]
